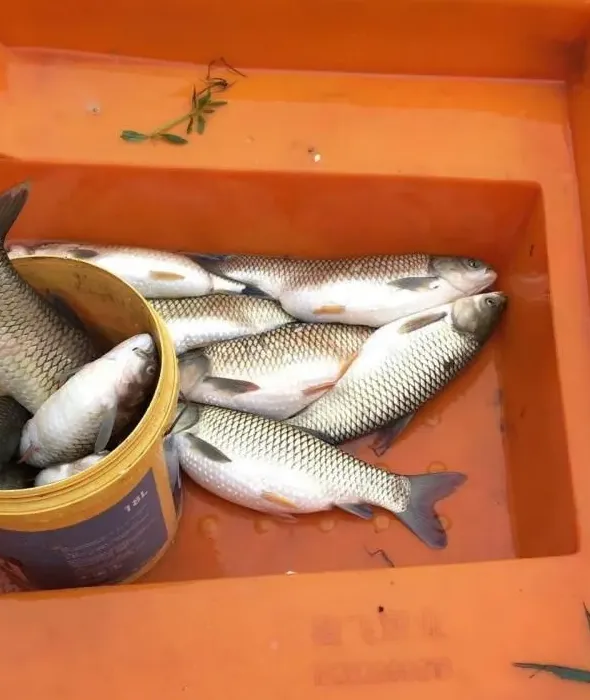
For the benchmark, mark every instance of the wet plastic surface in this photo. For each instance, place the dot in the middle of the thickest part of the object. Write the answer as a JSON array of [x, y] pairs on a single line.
[[466, 166]]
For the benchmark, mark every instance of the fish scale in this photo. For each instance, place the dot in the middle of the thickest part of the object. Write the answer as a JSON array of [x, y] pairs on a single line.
[[197, 321], [370, 290], [395, 374], [153, 273], [102, 397], [296, 343], [273, 467], [274, 374], [37, 345], [282, 271], [260, 438]]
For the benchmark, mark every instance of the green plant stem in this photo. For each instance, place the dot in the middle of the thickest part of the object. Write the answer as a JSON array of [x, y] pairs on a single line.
[[171, 124]]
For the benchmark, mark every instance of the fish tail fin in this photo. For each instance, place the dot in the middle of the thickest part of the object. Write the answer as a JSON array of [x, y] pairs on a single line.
[[12, 202], [420, 516]]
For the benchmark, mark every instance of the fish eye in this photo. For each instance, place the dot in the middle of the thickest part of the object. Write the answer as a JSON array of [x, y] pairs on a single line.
[[150, 369], [491, 301], [474, 264]]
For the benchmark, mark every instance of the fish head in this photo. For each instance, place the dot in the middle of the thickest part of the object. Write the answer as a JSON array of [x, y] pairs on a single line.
[[187, 416], [479, 314], [467, 275], [193, 367], [138, 369]]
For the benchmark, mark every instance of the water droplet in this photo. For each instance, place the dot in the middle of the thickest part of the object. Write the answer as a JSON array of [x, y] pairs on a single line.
[[432, 421], [209, 526], [327, 524], [380, 523], [290, 573], [262, 525], [437, 467], [317, 157]]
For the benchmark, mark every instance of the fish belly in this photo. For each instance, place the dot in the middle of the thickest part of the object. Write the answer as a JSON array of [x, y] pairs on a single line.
[[257, 485]]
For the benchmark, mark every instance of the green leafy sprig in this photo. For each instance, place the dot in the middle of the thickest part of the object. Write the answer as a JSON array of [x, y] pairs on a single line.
[[202, 107]]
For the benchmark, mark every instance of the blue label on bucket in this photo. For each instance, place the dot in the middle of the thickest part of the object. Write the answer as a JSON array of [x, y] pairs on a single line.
[[107, 548]]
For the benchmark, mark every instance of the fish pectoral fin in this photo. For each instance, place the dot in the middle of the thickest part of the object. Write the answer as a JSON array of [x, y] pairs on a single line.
[[425, 319], [165, 276], [207, 449], [361, 510], [314, 433], [387, 434], [65, 311], [318, 388], [231, 386], [345, 366], [278, 500], [194, 367], [414, 284], [330, 309], [106, 428], [12, 202], [287, 517]]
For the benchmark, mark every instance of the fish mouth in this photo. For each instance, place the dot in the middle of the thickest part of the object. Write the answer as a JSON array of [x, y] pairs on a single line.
[[488, 277]]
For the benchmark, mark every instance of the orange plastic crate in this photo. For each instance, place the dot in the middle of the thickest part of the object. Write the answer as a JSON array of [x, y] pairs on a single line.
[[450, 127]]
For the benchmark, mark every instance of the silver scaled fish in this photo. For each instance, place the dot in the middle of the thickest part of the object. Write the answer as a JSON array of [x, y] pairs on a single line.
[[400, 367], [272, 467], [274, 374], [60, 472], [198, 321], [95, 404], [153, 273], [38, 345], [368, 290]]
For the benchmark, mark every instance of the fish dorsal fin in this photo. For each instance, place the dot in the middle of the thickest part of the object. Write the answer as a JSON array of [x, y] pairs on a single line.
[[421, 321]]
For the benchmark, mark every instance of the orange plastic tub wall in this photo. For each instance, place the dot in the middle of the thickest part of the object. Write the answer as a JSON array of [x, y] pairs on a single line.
[[361, 127]]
